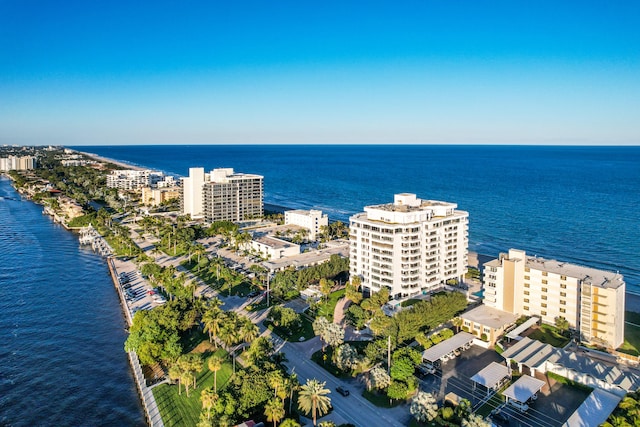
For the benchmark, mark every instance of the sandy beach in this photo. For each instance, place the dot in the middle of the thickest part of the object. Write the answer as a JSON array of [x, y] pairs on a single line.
[[108, 160]]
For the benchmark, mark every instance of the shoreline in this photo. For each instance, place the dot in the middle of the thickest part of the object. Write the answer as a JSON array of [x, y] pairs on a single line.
[[120, 163]]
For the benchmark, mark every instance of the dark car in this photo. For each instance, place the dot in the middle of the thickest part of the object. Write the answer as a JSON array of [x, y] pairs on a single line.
[[253, 294], [501, 418], [343, 391]]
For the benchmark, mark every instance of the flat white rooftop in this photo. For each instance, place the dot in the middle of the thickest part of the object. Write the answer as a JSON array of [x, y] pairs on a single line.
[[447, 346], [489, 316], [524, 388]]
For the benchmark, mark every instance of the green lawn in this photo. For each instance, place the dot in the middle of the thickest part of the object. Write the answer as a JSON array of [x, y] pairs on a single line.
[[180, 410], [380, 399], [631, 343], [239, 287], [326, 308], [409, 302], [305, 331], [550, 335]]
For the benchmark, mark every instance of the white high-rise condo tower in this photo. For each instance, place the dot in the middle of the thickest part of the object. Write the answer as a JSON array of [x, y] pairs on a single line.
[[409, 246]]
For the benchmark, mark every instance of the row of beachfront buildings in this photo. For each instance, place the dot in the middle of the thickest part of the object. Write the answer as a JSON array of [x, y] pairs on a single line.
[[413, 246], [17, 163]]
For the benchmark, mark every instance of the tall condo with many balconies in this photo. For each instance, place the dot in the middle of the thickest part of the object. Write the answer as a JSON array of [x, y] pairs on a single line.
[[409, 246]]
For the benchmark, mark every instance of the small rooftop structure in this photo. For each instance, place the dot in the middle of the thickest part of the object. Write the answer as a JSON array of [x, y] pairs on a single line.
[[438, 351], [531, 353], [489, 316], [594, 410], [515, 334], [523, 389], [492, 376]]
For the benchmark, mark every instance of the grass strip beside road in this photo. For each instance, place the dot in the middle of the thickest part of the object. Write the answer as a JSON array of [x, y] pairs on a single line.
[[327, 308]]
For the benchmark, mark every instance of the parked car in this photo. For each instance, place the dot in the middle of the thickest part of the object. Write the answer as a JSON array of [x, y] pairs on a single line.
[[343, 391], [500, 418]]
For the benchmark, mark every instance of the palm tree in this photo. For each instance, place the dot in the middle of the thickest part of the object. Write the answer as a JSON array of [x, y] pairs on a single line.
[[209, 399], [187, 378], [215, 364], [457, 322], [290, 422], [212, 320], [313, 398], [248, 330], [175, 373], [274, 411], [229, 333]]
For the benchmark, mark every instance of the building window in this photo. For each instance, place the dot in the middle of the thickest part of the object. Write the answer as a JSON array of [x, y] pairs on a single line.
[[563, 277], [543, 305], [526, 300], [544, 313], [526, 308], [526, 285], [563, 302], [544, 289], [544, 297], [486, 330], [527, 269], [544, 273], [563, 294], [527, 277], [526, 292], [562, 310], [563, 286], [544, 281]]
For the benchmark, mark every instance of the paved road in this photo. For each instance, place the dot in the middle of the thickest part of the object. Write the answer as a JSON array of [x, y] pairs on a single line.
[[354, 409]]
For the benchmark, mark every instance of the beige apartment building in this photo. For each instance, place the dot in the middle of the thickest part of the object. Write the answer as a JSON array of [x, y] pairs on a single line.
[[591, 300], [231, 196], [409, 246], [157, 196]]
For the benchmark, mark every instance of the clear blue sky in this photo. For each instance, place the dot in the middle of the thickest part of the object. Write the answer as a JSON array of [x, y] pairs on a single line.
[[447, 71]]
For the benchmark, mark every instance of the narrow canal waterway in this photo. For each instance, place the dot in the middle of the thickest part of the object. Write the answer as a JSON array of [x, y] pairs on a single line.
[[61, 327]]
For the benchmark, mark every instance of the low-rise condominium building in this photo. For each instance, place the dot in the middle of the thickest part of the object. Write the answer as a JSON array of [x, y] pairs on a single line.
[[312, 220], [133, 179], [409, 246], [591, 300]]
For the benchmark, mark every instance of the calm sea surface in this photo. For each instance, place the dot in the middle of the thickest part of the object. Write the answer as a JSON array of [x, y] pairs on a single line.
[[577, 204], [61, 353]]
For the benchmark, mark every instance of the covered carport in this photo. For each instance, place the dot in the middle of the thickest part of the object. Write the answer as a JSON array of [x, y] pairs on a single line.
[[446, 349], [492, 377], [519, 393], [515, 334]]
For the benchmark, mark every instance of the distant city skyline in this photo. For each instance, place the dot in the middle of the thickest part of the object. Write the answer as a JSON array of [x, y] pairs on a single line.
[[431, 72]]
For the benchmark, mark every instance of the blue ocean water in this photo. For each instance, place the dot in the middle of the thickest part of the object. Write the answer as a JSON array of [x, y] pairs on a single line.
[[62, 360], [577, 204]]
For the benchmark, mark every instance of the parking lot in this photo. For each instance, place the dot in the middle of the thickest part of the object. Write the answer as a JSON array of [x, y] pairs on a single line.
[[135, 290], [554, 405], [454, 376]]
